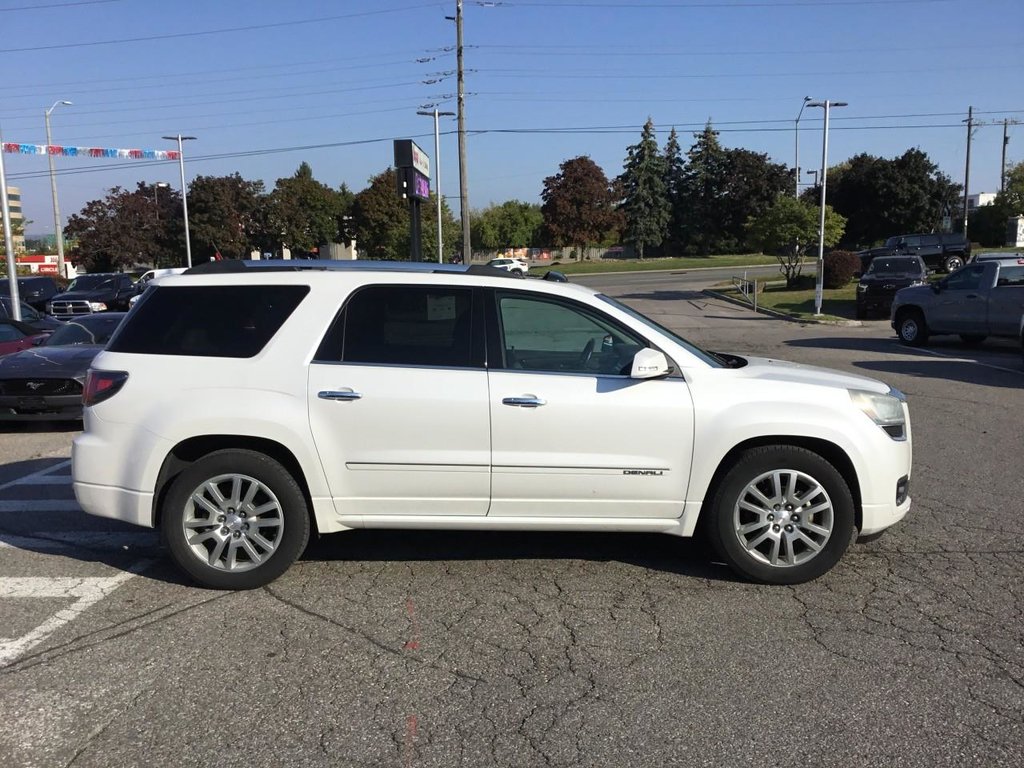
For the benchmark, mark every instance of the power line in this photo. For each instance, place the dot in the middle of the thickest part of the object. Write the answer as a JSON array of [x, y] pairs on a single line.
[[706, 5], [56, 5]]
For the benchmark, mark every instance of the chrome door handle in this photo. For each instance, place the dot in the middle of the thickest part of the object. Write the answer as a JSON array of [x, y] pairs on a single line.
[[347, 394], [528, 401]]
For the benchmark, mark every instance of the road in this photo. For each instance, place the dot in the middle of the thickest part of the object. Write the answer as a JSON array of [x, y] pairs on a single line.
[[466, 649]]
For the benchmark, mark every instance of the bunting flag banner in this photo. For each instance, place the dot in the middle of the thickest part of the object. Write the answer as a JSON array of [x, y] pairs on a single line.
[[60, 151]]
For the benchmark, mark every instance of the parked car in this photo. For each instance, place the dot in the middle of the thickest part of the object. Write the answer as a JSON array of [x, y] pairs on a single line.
[[46, 382], [945, 252], [34, 290], [515, 266], [38, 320], [884, 276], [996, 256], [336, 395], [90, 293], [982, 299], [16, 336]]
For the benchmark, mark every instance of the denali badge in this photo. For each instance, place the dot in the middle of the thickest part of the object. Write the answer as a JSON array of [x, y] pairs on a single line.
[[654, 472]]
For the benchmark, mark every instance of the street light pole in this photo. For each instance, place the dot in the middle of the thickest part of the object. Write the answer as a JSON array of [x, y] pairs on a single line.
[[58, 231], [12, 262], [813, 173], [826, 105], [184, 192], [437, 175], [796, 137], [156, 202]]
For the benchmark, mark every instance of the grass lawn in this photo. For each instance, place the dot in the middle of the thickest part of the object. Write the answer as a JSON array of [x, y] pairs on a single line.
[[635, 265], [836, 304]]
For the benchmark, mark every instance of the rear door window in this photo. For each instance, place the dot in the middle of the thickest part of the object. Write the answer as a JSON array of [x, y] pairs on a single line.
[[208, 321]]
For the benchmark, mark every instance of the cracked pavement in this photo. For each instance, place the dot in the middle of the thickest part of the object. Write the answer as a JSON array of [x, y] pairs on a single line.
[[414, 648]]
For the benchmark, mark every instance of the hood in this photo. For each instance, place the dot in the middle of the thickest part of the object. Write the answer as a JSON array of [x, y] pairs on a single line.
[[97, 295], [901, 279], [915, 293], [49, 362], [769, 369]]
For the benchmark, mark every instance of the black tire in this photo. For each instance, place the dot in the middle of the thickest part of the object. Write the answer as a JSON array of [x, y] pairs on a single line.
[[752, 562], [972, 338], [912, 328], [284, 516], [953, 263]]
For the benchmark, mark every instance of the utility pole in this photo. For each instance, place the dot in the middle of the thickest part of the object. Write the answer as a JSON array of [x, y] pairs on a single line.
[[467, 251], [967, 169], [1006, 140]]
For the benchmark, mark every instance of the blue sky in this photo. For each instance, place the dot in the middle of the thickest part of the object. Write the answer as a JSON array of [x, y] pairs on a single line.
[[546, 81]]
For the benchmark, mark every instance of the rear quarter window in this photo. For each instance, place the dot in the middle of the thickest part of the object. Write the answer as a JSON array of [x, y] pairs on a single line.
[[208, 321]]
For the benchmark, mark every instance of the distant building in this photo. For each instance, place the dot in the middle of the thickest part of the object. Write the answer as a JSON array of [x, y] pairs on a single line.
[[979, 199], [17, 220]]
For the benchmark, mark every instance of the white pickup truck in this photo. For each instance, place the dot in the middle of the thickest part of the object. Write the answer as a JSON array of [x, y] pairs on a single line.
[[984, 298]]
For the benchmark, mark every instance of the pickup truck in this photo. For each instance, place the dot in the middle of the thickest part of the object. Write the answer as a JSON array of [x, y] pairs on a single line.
[[94, 292], [945, 252], [983, 299]]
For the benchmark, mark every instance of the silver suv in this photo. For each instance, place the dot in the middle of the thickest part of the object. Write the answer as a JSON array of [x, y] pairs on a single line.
[[243, 405]]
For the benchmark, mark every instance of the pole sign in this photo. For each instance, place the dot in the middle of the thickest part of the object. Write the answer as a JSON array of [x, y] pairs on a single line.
[[409, 155], [412, 185]]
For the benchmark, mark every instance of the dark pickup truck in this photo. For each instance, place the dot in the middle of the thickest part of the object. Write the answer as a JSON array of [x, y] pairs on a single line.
[[944, 252], [884, 277], [98, 292], [983, 299]]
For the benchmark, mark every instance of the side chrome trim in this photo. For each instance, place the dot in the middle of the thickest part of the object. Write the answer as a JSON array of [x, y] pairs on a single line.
[[348, 394], [528, 401]]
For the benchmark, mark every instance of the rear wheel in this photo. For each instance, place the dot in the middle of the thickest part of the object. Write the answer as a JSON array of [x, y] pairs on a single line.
[[781, 515], [911, 328], [953, 263], [235, 519]]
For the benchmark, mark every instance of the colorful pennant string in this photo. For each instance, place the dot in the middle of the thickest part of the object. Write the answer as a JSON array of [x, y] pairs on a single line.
[[60, 151]]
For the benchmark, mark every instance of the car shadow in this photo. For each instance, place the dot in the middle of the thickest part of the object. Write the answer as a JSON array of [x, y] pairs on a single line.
[[664, 295], [20, 427]]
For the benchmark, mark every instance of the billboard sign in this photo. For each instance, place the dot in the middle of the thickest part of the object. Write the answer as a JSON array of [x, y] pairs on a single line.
[[409, 155]]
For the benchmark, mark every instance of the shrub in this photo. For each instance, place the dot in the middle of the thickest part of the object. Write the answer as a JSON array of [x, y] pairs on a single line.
[[839, 268]]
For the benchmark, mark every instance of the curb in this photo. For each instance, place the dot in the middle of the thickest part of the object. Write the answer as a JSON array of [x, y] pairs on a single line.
[[782, 315]]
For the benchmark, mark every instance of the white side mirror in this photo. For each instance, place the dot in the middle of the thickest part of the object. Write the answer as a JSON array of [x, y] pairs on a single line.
[[649, 364]]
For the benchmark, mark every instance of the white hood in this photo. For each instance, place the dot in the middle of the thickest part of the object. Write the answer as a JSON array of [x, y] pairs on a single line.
[[779, 370]]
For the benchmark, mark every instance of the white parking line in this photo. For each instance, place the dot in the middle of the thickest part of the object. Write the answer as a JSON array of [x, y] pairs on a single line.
[[85, 592], [27, 479], [46, 505], [59, 540], [958, 359], [43, 480]]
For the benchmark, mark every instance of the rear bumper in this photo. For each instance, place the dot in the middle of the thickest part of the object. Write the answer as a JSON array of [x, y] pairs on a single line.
[[116, 503], [43, 408]]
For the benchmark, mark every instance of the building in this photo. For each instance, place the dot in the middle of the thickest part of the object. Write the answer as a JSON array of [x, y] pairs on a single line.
[[17, 220], [979, 199]]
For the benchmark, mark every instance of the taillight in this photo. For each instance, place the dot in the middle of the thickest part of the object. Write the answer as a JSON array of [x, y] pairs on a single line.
[[102, 385]]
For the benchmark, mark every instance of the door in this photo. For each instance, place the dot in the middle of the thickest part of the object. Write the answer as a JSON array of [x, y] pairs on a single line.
[[1006, 302], [572, 434], [398, 404], [961, 305], [930, 249]]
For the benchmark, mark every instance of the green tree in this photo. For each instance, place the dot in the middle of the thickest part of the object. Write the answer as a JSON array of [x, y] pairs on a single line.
[[674, 166], [227, 214], [645, 204], [579, 204], [702, 186], [751, 185], [789, 229], [881, 197], [303, 212], [988, 223], [380, 219], [128, 229], [513, 224]]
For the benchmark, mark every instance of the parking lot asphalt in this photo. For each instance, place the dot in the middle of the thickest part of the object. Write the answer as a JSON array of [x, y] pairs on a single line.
[[470, 649]]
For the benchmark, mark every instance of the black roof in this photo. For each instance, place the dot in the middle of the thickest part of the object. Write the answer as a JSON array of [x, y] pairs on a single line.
[[236, 266]]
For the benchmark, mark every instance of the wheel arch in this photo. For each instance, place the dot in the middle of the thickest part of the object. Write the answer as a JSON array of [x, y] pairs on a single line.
[[828, 450], [194, 448]]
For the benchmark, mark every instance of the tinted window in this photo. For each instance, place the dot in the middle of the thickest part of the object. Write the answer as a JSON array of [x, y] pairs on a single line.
[[93, 330], [1011, 276], [912, 241], [10, 333], [540, 334], [209, 320], [931, 239], [403, 325], [887, 266], [90, 283], [967, 279]]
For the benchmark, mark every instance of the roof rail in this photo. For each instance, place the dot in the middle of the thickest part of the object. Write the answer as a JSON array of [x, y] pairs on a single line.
[[237, 266]]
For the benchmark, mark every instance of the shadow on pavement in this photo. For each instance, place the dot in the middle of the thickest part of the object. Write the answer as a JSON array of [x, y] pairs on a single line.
[[664, 295], [19, 427]]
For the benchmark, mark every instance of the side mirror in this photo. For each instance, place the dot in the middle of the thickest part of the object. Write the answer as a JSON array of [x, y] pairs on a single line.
[[649, 364]]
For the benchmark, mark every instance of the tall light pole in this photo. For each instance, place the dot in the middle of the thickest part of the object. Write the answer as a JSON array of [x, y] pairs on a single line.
[[796, 138], [156, 202], [58, 231], [184, 192], [467, 251], [12, 262], [437, 174], [826, 105], [813, 173]]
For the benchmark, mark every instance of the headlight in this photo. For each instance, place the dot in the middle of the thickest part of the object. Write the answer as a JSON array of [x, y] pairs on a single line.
[[97, 306], [862, 287], [885, 410], [920, 282]]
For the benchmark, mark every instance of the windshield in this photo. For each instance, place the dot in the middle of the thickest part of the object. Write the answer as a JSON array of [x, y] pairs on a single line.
[[895, 267], [892, 242], [708, 357], [90, 283], [95, 331]]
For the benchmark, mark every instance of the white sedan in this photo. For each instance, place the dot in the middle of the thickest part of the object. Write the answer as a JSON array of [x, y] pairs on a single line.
[[516, 266]]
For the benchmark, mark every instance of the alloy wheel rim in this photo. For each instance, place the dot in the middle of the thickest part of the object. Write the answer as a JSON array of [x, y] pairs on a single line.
[[233, 522], [783, 518], [909, 329]]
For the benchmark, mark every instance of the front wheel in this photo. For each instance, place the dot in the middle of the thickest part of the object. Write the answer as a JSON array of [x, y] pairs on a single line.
[[781, 515], [953, 263], [911, 328], [235, 519]]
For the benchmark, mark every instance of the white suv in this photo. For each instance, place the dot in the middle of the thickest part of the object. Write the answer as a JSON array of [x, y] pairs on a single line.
[[515, 266], [243, 404]]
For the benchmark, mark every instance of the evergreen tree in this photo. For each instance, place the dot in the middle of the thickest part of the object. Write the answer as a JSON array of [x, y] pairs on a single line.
[[674, 166], [702, 186], [645, 203]]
